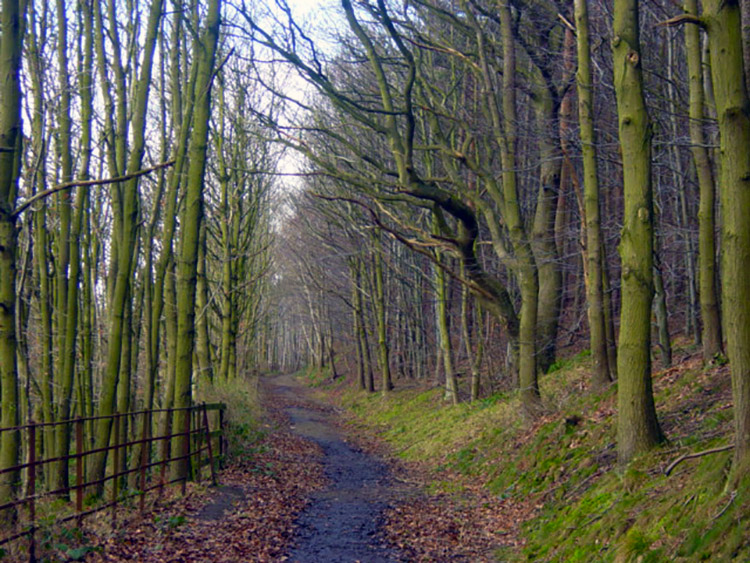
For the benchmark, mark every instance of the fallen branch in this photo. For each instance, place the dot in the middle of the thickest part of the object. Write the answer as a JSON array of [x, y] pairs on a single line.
[[683, 457], [726, 506], [85, 184]]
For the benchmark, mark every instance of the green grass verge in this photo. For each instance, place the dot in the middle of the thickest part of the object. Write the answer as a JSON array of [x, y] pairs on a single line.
[[243, 430], [589, 508], [315, 376]]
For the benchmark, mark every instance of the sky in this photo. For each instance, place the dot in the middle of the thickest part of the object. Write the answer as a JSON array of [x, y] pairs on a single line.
[[316, 17]]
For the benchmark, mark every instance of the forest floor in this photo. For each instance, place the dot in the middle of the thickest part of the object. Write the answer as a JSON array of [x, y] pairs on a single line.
[[330, 473], [552, 483], [250, 516], [311, 487]]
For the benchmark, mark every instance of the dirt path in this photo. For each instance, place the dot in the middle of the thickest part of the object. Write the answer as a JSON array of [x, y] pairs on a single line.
[[305, 492], [342, 521]]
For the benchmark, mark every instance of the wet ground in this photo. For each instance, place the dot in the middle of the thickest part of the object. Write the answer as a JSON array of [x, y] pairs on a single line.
[[342, 522]]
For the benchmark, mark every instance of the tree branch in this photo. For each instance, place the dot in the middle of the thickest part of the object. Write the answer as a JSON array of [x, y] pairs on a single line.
[[412, 245], [682, 458], [86, 184], [682, 19]]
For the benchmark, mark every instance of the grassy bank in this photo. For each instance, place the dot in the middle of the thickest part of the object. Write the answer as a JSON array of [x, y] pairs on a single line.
[[242, 417], [589, 509]]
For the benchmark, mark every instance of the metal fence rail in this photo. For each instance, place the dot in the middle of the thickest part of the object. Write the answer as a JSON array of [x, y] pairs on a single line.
[[18, 516]]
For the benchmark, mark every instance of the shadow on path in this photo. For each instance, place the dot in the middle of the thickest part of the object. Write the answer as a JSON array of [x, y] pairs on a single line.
[[341, 524]]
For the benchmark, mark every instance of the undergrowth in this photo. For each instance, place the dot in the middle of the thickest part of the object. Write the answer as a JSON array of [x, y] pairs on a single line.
[[242, 415], [315, 376], [588, 507]]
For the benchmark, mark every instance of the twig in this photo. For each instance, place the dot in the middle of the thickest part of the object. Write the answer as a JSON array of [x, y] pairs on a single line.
[[726, 506], [569, 494], [567, 23], [683, 457], [86, 184]]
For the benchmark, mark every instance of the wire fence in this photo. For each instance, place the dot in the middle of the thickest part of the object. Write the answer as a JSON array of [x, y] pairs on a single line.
[[138, 465]]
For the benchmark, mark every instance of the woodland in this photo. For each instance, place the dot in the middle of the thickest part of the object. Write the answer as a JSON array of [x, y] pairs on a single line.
[[452, 194]]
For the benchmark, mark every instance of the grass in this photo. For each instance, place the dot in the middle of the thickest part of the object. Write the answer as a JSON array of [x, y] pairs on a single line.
[[242, 415], [315, 376], [590, 509]]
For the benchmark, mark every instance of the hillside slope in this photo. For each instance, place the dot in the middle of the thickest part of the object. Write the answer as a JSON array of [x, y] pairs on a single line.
[[585, 507]]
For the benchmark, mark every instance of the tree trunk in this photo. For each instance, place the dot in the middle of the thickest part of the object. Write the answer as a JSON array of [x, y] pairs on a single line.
[[474, 359], [62, 243], [525, 268], [69, 333], [707, 274], [609, 316], [595, 287], [227, 265], [356, 298], [41, 241], [732, 103], [369, 375], [661, 314], [205, 56], [126, 243], [11, 40], [203, 343], [543, 230], [379, 297], [441, 297], [638, 428]]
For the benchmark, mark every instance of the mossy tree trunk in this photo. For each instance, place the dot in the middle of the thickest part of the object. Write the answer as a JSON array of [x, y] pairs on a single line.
[[595, 287], [204, 56], [68, 305], [356, 302], [126, 234], [443, 326], [637, 427], [151, 356], [62, 244], [380, 315], [474, 358], [660, 313], [228, 337], [35, 61], [546, 257], [722, 19], [363, 335], [521, 328], [707, 272], [11, 41], [181, 117], [203, 342], [525, 266]]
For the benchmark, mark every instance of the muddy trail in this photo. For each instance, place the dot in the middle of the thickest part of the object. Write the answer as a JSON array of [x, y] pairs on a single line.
[[303, 490], [342, 522]]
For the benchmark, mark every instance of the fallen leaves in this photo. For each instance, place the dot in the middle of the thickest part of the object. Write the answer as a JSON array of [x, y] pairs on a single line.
[[252, 517], [254, 523], [467, 525]]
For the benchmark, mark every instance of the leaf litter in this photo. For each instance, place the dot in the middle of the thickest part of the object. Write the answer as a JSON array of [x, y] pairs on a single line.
[[254, 522], [254, 514]]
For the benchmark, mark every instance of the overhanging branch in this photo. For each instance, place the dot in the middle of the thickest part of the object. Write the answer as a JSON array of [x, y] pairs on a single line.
[[86, 184], [683, 19], [411, 245]]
